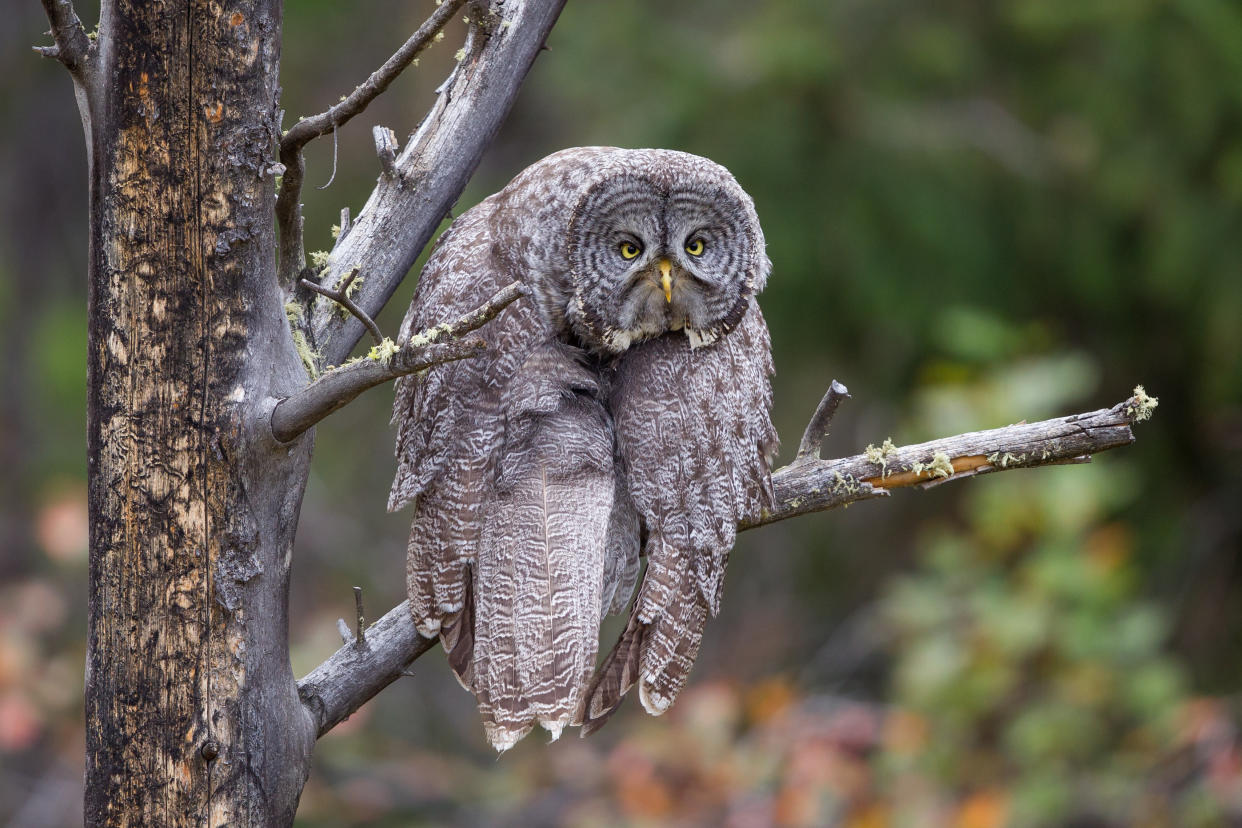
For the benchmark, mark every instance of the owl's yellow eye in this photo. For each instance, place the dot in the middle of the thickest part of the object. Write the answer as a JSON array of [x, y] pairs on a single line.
[[629, 250], [695, 247]]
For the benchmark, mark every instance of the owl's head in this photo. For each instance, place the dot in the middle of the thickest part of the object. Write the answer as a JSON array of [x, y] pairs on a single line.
[[662, 241]]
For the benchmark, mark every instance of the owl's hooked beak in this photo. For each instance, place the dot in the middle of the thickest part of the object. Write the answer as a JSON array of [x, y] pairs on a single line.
[[666, 281]]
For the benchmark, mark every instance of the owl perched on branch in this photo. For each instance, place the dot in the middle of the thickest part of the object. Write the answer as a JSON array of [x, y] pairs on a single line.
[[621, 410]]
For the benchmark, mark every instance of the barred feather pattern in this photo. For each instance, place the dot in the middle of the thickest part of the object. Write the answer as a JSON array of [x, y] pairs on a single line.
[[541, 563], [450, 424], [695, 435]]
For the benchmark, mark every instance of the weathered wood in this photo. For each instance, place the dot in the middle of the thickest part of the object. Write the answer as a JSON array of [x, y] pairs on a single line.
[[354, 674], [191, 709], [405, 209], [815, 485]]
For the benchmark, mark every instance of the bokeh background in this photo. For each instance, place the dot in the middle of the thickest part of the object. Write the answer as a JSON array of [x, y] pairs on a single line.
[[979, 212]]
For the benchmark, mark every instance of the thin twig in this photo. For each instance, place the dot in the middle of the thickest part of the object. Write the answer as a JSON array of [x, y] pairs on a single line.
[[343, 683], [360, 631], [355, 102], [73, 47], [332, 177], [342, 628], [474, 319], [817, 429], [336, 388], [288, 209], [340, 295]]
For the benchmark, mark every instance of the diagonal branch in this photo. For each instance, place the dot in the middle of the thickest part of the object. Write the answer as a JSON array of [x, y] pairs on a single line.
[[405, 208], [307, 129], [336, 388], [73, 47], [351, 676], [288, 211]]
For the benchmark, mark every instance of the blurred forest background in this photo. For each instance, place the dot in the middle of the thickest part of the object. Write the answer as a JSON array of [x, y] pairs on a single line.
[[979, 212]]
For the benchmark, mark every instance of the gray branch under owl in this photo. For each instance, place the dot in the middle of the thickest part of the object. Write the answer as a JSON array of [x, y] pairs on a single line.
[[354, 674]]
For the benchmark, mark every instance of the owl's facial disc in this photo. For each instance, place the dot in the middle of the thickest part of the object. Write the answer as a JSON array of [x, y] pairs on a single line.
[[652, 254]]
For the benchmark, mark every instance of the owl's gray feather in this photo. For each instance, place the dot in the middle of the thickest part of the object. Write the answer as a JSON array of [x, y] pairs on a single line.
[[541, 563], [625, 400], [695, 435]]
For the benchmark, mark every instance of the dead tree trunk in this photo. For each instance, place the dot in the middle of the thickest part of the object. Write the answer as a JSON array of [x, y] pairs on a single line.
[[192, 714]]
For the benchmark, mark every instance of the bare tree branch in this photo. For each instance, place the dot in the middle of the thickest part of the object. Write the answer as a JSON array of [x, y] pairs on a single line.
[[73, 46], [337, 387], [348, 679], [810, 485], [340, 295], [353, 675], [406, 208], [288, 211], [817, 428], [307, 129]]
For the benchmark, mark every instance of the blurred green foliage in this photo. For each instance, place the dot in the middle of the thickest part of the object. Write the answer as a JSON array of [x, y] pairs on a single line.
[[978, 213]]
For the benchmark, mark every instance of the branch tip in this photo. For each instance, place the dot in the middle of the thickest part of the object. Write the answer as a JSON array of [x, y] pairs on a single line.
[[360, 639], [817, 429]]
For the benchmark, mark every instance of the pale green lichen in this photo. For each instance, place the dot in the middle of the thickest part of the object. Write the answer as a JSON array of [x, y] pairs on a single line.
[[461, 55], [309, 356], [319, 259], [295, 313], [1005, 460], [879, 456], [335, 230], [429, 336], [383, 351], [439, 36], [938, 466], [1141, 405], [844, 484]]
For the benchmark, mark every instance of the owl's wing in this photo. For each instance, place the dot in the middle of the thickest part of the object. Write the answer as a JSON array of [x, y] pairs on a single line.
[[538, 582], [449, 427], [694, 433]]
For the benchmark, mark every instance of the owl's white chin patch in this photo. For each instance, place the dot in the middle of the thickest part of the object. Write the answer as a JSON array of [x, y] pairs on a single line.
[[698, 338], [653, 703]]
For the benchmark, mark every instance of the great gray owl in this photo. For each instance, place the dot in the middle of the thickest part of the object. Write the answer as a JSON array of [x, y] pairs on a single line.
[[623, 406]]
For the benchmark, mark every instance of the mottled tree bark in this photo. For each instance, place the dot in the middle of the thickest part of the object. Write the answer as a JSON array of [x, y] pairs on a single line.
[[192, 713]]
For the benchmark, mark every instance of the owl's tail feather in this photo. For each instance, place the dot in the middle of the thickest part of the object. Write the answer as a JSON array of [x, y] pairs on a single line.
[[457, 638], [658, 655], [670, 647], [614, 679]]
